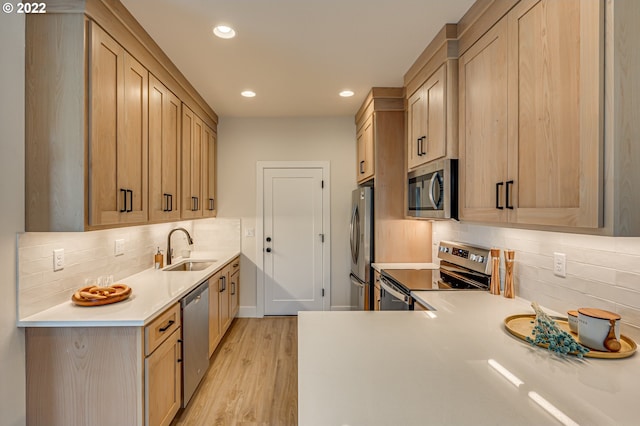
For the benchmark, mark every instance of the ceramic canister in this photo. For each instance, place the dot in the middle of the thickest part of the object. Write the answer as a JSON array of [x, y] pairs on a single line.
[[572, 319], [594, 325]]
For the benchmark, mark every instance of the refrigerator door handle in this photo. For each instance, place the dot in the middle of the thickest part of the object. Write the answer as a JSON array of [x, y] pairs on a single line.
[[355, 281], [355, 234]]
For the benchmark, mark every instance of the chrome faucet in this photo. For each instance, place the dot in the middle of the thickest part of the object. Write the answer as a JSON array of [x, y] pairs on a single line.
[[169, 249]]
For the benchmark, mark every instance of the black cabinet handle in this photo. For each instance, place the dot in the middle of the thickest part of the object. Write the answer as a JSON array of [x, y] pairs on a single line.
[[197, 203], [418, 148], [194, 204], [498, 185], [223, 281], [124, 208], [423, 140], [211, 204], [130, 209], [170, 202], [362, 167], [166, 327], [268, 239], [268, 249], [233, 288], [166, 202], [509, 205]]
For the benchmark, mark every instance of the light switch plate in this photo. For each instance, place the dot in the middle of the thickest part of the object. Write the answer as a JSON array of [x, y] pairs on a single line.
[[560, 264], [58, 260], [119, 247]]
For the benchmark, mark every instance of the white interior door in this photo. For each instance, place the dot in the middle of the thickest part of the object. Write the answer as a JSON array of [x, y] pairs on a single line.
[[293, 239]]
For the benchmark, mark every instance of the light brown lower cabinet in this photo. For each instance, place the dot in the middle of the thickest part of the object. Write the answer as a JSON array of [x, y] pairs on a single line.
[[104, 375], [224, 297], [376, 292]]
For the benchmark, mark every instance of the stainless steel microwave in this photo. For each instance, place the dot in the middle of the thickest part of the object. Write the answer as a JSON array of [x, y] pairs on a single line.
[[433, 190]]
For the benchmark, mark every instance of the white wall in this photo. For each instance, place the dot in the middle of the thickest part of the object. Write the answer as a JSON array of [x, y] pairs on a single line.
[[12, 362], [602, 272], [244, 141]]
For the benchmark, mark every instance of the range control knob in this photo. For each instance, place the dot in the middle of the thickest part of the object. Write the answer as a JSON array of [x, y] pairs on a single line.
[[473, 257], [480, 259]]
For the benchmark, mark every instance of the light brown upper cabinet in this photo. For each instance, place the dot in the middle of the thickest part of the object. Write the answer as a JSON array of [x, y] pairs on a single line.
[[165, 115], [192, 133], [209, 207], [531, 103], [118, 134], [90, 108], [365, 166], [426, 113], [431, 89]]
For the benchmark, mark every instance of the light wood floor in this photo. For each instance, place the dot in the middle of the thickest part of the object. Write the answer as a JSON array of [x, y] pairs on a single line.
[[252, 378]]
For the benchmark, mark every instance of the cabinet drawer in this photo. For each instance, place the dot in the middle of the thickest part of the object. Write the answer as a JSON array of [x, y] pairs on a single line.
[[161, 328], [234, 266]]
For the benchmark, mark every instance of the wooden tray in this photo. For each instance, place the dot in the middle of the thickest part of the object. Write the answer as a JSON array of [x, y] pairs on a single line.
[[90, 296], [521, 326]]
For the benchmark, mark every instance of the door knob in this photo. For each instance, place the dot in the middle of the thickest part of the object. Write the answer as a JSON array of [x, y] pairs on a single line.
[[268, 239], [268, 249]]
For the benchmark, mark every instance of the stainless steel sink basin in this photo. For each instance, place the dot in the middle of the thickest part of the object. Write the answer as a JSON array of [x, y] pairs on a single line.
[[190, 265]]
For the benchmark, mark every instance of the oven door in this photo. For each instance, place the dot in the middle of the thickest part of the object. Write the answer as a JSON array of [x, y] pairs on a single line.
[[392, 298]]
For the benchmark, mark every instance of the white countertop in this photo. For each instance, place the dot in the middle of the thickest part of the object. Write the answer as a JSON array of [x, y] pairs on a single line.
[[379, 266], [153, 291], [409, 368]]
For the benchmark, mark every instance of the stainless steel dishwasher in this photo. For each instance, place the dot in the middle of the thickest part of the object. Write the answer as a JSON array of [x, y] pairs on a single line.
[[195, 337]]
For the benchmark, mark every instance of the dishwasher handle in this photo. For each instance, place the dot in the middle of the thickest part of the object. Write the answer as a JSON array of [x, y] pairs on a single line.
[[392, 291]]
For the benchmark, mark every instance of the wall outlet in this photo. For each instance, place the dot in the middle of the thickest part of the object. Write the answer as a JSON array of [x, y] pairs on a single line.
[[560, 264], [119, 247], [58, 259]]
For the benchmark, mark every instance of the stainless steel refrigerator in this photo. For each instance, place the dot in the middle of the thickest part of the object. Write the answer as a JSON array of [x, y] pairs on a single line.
[[361, 241]]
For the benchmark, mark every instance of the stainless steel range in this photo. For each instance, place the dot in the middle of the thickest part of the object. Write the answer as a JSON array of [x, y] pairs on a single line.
[[462, 267]]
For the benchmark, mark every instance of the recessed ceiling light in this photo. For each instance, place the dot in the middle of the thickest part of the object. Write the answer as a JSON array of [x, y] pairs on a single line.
[[224, 31], [248, 93], [346, 93]]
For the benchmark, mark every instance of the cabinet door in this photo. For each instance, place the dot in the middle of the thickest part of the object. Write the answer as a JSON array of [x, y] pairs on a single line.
[[483, 127], [416, 127], [427, 121], [164, 152], [118, 134], [214, 313], [209, 172], [163, 382], [366, 155], [555, 112], [223, 302], [192, 132], [107, 97], [234, 294]]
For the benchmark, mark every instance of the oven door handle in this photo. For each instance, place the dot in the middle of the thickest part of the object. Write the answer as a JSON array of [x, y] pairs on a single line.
[[392, 291]]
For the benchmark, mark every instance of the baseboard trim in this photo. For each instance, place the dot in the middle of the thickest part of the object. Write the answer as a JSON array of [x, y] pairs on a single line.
[[248, 312], [341, 308]]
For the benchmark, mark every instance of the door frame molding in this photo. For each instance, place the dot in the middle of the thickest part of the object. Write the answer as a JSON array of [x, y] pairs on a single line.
[[261, 166]]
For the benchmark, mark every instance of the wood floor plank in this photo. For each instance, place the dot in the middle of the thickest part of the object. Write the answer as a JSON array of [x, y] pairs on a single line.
[[252, 378]]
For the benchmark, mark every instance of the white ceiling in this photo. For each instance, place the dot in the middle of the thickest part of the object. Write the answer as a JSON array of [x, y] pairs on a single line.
[[295, 54]]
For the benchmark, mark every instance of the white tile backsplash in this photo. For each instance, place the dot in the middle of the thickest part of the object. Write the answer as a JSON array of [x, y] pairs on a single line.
[[602, 272], [91, 254]]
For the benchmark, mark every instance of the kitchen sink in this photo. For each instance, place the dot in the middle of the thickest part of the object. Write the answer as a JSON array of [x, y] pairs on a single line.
[[190, 265]]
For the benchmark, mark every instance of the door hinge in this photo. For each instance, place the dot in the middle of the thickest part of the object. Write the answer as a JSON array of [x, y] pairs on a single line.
[[323, 292], [321, 237], [322, 183]]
